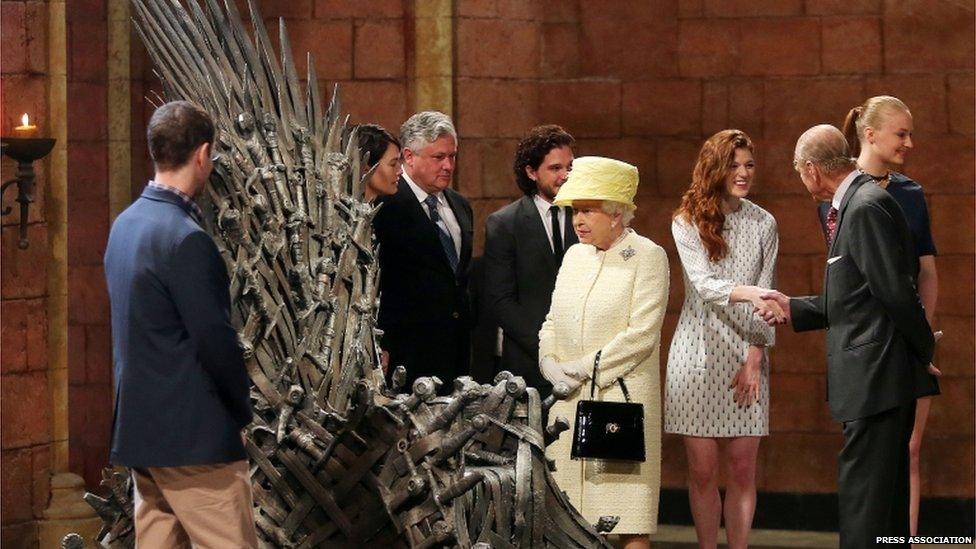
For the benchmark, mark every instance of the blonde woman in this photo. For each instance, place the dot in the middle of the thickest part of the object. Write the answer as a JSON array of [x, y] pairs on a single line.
[[610, 297], [879, 134]]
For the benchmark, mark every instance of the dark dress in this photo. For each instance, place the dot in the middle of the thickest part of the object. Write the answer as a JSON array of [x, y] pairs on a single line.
[[911, 198]]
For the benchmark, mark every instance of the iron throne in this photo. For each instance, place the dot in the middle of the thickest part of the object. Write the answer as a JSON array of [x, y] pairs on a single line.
[[337, 458]]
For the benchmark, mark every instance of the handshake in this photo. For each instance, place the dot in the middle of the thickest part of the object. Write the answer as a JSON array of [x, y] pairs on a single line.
[[771, 305]]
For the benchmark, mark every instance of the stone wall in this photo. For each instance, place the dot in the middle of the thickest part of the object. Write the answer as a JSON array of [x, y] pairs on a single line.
[[25, 403]]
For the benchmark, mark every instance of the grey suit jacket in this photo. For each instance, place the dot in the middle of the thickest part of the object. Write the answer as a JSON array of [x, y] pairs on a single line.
[[877, 335], [520, 273]]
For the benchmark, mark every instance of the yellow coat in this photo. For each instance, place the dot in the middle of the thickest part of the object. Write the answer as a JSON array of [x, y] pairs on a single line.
[[614, 301]]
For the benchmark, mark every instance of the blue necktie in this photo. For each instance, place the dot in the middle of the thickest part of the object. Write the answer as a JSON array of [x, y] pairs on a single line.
[[446, 242]]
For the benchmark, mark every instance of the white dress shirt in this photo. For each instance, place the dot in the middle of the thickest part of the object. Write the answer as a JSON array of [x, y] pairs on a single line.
[[842, 189], [543, 206], [448, 221]]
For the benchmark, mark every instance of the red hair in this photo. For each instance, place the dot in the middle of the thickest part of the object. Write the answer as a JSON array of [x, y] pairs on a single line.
[[701, 204]]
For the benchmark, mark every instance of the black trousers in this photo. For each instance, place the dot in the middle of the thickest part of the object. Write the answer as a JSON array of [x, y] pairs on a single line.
[[873, 478]]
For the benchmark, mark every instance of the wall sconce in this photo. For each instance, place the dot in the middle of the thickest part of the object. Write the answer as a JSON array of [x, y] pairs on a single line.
[[25, 150]]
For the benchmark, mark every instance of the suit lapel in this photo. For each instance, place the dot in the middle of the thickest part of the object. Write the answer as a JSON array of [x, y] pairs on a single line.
[[464, 222], [535, 231], [417, 217], [855, 185]]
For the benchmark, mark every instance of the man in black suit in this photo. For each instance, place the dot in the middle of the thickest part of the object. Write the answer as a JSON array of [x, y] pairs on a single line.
[[181, 388], [524, 246], [424, 233], [878, 339]]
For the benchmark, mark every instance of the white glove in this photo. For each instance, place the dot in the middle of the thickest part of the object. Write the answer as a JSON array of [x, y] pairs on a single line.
[[554, 372], [580, 369]]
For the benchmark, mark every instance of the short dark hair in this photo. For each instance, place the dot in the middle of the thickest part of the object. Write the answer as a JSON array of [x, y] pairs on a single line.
[[373, 141], [175, 130], [532, 150]]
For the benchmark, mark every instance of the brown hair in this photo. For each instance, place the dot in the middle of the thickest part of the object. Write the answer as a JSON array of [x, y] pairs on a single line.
[[701, 204], [532, 150], [868, 114], [373, 140], [175, 130]]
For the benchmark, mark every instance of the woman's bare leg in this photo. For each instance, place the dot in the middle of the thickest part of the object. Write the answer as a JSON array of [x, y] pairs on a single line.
[[706, 503], [914, 476], [740, 490]]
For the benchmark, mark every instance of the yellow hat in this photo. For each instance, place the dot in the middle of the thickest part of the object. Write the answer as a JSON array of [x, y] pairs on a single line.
[[598, 178]]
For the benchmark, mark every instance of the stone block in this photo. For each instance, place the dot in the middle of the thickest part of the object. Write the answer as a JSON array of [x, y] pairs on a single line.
[[15, 479], [329, 42], [497, 48], [813, 454], [496, 108], [88, 171], [379, 49], [13, 38], [926, 37], [24, 272], [956, 275], [793, 105], [662, 108], [943, 164], [962, 97], [851, 45], [650, 50], [37, 329], [779, 47], [676, 160], [374, 9], [560, 54], [13, 336], [26, 410], [843, 7], [585, 108], [88, 303], [87, 111], [953, 474], [707, 47], [87, 50], [955, 352], [382, 102], [952, 222], [753, 8]]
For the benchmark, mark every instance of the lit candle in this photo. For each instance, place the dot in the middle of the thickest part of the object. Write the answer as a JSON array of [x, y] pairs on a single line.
[[25, 128]]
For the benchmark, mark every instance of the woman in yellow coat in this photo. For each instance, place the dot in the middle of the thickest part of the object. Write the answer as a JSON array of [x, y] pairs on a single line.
[[610, 296]]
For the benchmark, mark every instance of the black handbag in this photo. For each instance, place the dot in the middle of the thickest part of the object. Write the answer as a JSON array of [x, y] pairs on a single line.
[[608, 430]]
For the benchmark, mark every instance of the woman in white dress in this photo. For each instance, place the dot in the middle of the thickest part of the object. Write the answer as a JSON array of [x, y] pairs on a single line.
[[718, 366], [610, 297]]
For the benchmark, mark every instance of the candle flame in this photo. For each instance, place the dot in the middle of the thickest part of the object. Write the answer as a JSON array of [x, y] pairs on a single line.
[[25, 120]]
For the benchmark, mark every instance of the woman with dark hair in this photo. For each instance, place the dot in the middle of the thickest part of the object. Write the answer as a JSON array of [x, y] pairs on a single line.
[[718, 366], [381, 153], [879, 134]]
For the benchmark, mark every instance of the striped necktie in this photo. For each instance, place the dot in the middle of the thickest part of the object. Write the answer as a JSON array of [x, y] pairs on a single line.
[[446, 242]]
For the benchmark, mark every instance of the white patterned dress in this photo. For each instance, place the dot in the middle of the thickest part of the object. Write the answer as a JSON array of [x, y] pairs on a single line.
[[713, 336]]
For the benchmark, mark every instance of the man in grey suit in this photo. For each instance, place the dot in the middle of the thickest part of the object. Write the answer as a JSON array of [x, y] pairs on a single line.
[[524, 246], [877, 336]]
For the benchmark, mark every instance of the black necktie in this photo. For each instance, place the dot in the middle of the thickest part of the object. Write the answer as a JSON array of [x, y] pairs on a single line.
[[446, 241], [557, 235]]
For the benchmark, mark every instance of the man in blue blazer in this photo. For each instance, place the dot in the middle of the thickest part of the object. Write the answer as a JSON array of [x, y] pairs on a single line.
[[181, 388]]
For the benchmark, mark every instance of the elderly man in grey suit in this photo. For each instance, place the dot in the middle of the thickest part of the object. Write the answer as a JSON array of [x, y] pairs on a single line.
[[524, 246], [877, 336]]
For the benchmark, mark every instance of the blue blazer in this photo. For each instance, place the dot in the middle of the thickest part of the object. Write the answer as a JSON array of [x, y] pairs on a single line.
[[181, 387]]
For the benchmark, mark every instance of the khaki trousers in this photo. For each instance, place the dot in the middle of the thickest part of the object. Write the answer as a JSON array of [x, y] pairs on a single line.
[[199, 506]]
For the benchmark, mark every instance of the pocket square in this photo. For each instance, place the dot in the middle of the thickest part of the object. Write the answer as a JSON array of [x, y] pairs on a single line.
[[830, 261]]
